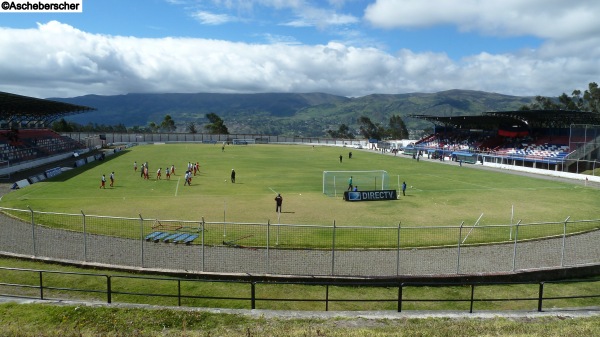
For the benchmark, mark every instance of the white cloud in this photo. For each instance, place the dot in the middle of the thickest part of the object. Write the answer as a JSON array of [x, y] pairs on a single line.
[[56, 59], [552, 19], [208, 18]]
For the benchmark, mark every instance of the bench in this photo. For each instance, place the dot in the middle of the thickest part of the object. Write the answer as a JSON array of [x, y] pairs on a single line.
[[189, 239], [160, 236], [152, 235], [171, 237], [175, 237], [180, 238]]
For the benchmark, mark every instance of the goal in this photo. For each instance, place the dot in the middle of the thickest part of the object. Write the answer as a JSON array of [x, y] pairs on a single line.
[[336, 182]]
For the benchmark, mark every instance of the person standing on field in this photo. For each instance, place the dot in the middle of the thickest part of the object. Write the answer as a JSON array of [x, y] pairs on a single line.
[[350, 184], [404, 188], [232, 176], [103, 182], [278, 202], [112, 179]]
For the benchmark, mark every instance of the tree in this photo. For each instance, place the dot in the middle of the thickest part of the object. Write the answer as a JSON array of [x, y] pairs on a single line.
[[592, 97], [62, 126], [168, 124], [342, 132], [397, 128], [589, 101], [216, 124], [191, 127], [369, 129], [153, 127]]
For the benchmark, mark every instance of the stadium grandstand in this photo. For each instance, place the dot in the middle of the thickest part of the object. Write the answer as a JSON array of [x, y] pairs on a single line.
[[549, 139], [26, 139]]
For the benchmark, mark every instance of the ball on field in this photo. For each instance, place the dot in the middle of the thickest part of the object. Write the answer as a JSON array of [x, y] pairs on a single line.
[[225, 180]]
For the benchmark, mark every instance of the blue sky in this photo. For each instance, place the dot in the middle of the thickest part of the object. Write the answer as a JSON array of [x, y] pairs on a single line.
[[344, 47]]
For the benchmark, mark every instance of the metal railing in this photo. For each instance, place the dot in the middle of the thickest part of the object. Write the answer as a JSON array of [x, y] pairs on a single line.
[[58, 285]]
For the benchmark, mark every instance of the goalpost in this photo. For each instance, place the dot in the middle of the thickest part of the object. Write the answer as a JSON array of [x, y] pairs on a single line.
[[336, 182]]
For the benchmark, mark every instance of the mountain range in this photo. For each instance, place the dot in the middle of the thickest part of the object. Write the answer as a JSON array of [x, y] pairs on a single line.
[[301, 114]]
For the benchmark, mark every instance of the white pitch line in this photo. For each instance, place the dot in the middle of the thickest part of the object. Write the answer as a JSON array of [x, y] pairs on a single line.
[[273, 190], [177, 187]]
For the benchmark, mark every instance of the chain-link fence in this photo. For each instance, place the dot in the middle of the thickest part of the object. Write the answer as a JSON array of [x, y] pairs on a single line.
[[285, 249]]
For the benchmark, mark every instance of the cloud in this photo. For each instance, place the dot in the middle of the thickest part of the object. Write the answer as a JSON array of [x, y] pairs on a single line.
[[58, 60], [551, 19], [208, 18]]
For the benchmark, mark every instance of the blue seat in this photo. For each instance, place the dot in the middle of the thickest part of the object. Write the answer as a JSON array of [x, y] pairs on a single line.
[[189, 239], [171, 237], [152, 235], [180, 238], [160, 236]]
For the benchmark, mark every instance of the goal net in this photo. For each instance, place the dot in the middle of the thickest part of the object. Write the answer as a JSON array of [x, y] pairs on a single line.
[[336, 182]]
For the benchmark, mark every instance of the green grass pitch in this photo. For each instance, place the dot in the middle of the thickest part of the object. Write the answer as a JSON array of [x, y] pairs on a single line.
[[441, 194]]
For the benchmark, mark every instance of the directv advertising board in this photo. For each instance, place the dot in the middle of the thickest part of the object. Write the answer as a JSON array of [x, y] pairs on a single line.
[[370, 195]]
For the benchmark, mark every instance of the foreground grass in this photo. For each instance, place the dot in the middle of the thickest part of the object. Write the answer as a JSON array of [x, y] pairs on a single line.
[[84, 321]]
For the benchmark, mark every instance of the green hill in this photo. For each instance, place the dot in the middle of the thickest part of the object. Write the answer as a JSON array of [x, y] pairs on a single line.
[[308, 114]]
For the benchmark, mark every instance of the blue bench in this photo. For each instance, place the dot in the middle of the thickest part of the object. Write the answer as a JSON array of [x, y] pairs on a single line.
[[189, 239], [160, 236], [171, 237], [181, 237], [152, 235]]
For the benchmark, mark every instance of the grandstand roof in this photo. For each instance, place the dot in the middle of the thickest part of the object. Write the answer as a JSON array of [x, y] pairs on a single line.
[[17, 109], [525, 118], [471, 122]]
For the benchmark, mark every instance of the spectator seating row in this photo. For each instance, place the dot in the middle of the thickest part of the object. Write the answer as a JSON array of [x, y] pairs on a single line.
[[29, 144]]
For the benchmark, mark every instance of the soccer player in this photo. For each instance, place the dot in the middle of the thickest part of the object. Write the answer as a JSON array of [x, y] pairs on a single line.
[[103, 182], [168, 173], [158, 173], [112, 178]]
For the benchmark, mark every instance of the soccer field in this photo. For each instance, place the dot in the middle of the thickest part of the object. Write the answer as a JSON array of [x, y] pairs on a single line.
[[438, 194]]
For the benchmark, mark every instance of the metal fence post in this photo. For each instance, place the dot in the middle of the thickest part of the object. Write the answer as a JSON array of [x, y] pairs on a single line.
[[203, 224], [398, 253], [84, 238], [142, 239], [253, 295], [400, 290], [41, 278], [108, 289], [32, 232], [268, 243], [564, 238], [333, 250], [458, 250], [540, 296], [515, 246]]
